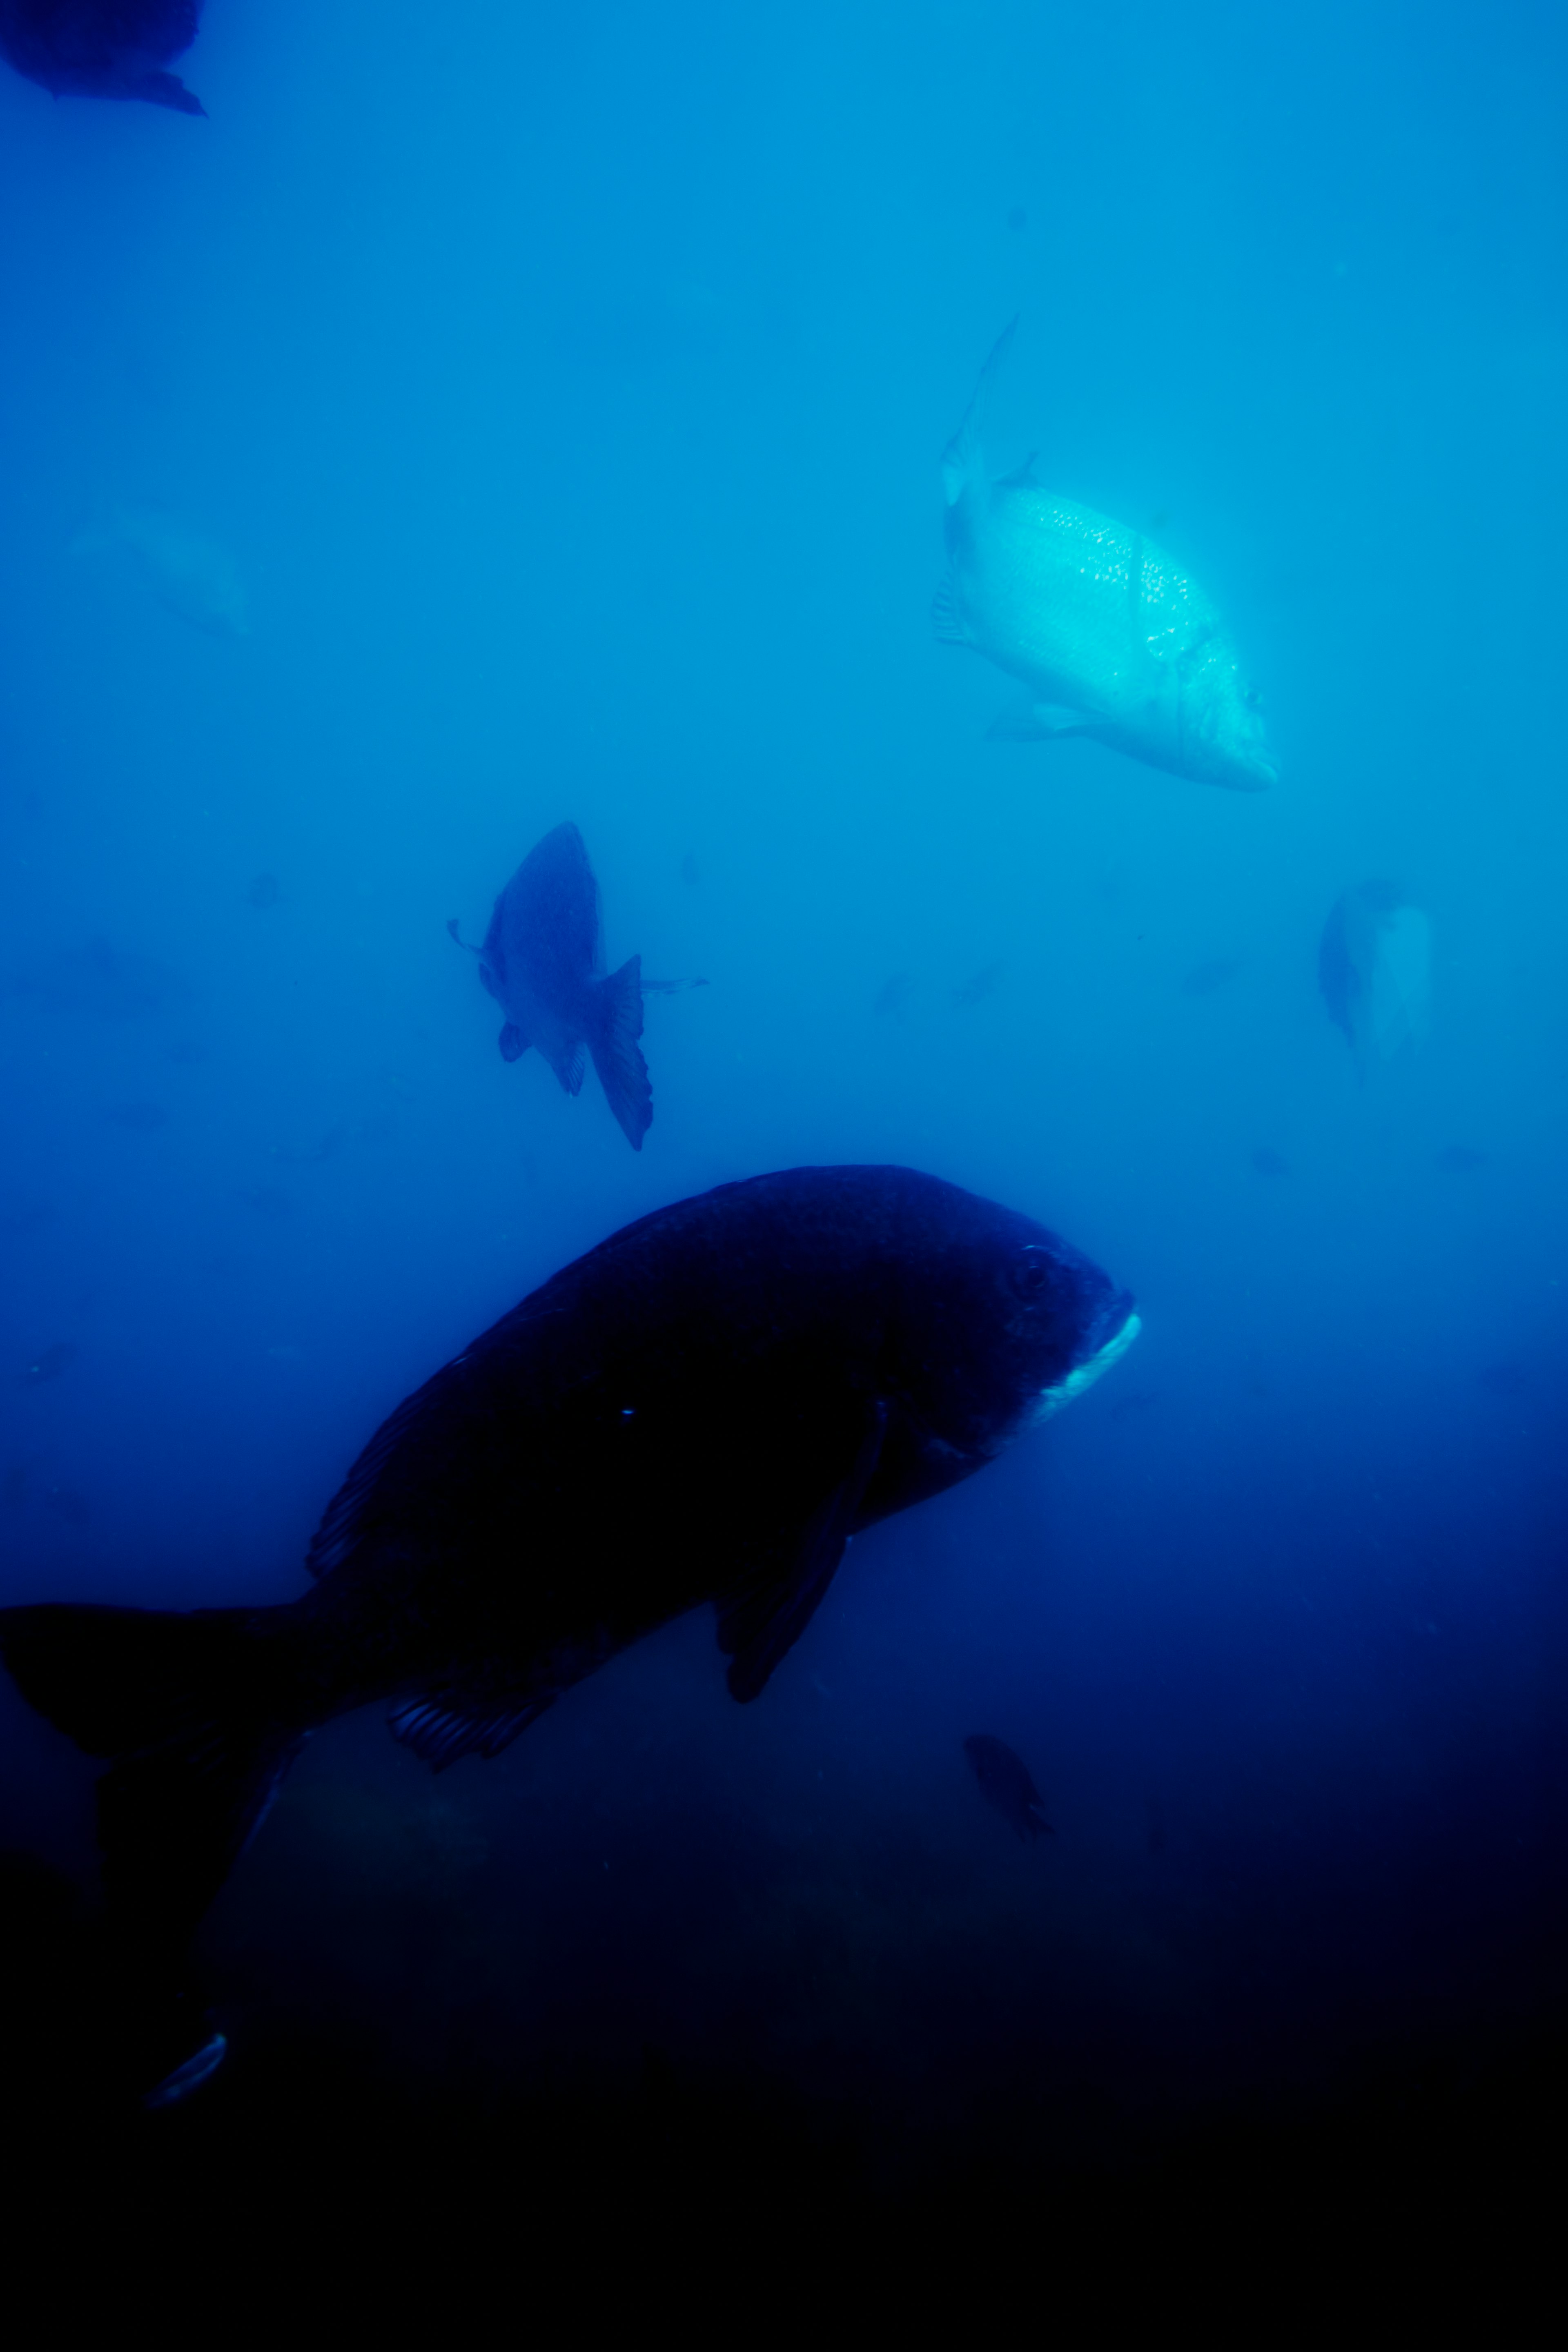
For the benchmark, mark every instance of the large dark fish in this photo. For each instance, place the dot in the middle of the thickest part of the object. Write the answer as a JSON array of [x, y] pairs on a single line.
[[543, 962], [102, 48], [1374, 970], [1004, 1782], [707, 1407]]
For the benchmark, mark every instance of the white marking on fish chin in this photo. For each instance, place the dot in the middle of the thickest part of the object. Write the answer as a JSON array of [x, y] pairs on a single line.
[[1083, 1376]]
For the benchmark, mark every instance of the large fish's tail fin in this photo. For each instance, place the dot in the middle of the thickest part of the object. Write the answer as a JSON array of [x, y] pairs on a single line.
[[617, 1056], [186, 1708], [962, 460]]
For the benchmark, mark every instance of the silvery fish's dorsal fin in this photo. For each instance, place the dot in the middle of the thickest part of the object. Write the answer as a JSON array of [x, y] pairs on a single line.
[[947, 612], [961, 460], [757, 1626], [442, 1724], [1022, 477]]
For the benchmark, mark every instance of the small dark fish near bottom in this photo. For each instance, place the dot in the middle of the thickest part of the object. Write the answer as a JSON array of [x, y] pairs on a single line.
[[1004, 1782]]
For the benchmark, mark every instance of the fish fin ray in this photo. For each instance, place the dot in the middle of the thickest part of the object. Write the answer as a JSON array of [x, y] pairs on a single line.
[[442, 1724], [758, 1625], [946, 612], [568, 1061], [618, 1057], [961, 461]]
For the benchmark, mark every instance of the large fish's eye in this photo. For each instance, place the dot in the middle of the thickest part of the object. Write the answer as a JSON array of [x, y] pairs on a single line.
[[1031, 1274]]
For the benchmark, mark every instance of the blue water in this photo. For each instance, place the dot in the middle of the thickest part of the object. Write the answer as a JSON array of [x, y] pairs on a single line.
[[565, 392]]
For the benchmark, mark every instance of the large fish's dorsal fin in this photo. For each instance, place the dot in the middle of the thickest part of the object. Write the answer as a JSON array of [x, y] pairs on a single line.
[[757, 1626], [442, 1724], [961, 463], [1022, 477]]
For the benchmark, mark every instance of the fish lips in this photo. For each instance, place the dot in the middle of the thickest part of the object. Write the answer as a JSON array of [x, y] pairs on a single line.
[[1111, 1331]]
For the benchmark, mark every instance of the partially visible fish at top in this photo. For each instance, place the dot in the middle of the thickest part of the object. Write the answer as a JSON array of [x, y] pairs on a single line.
[[102, 48], [1108, 637], [1004, 1782]]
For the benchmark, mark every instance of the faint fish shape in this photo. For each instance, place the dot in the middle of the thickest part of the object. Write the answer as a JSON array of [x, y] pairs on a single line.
[[1111, 640], [1374, 970], [48, 1364], [1004, 1782], [189, 574], [1206, 979]]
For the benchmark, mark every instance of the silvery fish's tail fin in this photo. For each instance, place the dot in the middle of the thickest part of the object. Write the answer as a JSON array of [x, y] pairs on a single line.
[[617, 1056], [962, 460], [184, 1705]]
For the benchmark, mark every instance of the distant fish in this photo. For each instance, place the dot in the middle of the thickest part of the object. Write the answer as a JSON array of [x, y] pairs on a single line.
[[1266, 1162], [140, 1118], [1204, 979], [543, 962], [1111, 640], [1004, 1782], [263, 892], [985, 984], [893, 995], [48, 1364], [102, 48], [1459, 1159], [105, 982], [1374, 969], [189, 574]]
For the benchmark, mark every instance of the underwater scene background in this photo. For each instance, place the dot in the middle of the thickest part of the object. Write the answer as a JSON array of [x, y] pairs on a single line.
[[493, 416]]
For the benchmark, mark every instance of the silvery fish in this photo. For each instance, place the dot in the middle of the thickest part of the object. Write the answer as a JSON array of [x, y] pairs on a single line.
[[1109, 639]]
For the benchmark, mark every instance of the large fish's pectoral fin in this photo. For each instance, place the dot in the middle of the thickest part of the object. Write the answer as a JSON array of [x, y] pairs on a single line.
[[442, 1724], [467, 945], [1038, 722], [756, 1627], [513, 1043], [567, 1060], [165, 90]]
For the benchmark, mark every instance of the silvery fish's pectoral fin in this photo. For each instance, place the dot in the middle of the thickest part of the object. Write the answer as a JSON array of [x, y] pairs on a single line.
[[756, 1627], [947, 612], [1038, 722]]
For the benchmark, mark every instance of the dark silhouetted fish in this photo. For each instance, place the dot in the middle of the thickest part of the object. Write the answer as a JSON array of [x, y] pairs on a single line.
[[1374, 967], [102, 48], [1206, 979], [48, 1364], [1266, 1161], [705, 1408], [1459, 1159], [543, 962], [893, 994], [1004, 1782]]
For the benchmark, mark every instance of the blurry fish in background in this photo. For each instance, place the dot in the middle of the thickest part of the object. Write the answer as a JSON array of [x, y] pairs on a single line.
[[263, 891], [1109, 639], [103, 982], [982, 984], [102, 48], [893, 995], [543, 962], [1004, 1782], [1374, 969], [48, 1364], [189, 574], [1206, 979], [1266, 1161], [1460, 1159]]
